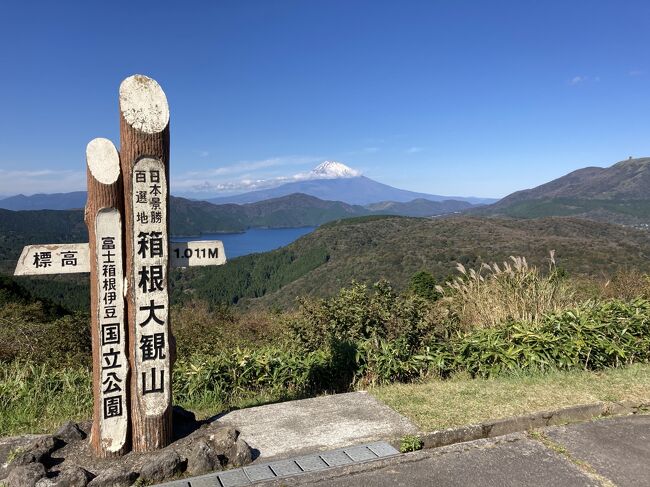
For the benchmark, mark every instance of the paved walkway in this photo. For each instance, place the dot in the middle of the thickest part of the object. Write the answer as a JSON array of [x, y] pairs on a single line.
[[322, 423], [607, 452]]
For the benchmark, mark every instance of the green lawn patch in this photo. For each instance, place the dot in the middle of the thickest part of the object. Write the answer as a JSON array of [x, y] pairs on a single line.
[[439, 404]]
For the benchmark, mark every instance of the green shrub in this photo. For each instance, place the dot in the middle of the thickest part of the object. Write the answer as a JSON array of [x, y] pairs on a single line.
[[423, 284], [230, 375], [37, 397], [30, 332], [594, 336], [360, 313]]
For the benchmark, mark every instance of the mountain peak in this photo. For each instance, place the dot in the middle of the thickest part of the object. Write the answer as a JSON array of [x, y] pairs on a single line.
[[334, 170]]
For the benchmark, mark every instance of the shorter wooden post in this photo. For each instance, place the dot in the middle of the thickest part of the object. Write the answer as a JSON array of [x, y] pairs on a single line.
[[103, 215]]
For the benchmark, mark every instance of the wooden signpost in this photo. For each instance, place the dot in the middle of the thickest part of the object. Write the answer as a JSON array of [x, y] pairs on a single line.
[[103, 217], [129, 256], [144, 149]]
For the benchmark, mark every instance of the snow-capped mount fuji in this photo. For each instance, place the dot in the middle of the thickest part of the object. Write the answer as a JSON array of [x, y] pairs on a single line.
[[334, 181], [333, 170]]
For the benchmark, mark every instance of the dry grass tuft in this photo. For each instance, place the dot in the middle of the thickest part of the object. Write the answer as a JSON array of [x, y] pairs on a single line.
[[627, 285], [496, 294]]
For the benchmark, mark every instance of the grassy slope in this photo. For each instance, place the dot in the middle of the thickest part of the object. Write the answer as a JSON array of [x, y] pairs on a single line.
[[444, 404], [37, 399]]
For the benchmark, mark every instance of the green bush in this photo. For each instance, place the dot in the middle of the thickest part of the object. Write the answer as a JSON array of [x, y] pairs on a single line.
[[30, 332], [229, 375], [423, 284], [360, 313], [594, 336]]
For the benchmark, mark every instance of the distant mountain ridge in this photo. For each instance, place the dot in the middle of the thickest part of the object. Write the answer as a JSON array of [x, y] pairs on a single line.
[[329, 181], [419, 207], [53, 201], [615, 194], [357, 190], [188, 217], [625, 180]]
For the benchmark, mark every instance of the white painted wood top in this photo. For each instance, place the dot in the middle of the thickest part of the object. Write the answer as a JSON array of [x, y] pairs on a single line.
[[103, 160], [143, 104]]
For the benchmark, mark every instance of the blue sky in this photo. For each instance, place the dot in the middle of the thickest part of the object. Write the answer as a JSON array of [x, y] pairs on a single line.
[[448, 97]]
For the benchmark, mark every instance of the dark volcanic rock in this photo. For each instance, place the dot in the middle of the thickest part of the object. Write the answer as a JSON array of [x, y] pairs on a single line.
[[240, 454], [184, 422], [70, 432], [85, 426], [117, 476], [25, 475], [66, 459], [10, 447], [202, 458], [72, 476], [38, 452], [222, 439], [163, 466]]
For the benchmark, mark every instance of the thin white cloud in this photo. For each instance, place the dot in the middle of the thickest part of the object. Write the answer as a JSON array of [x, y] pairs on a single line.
[[245, 166], [203, 153], [243, 175], [239, 177], [636, 72], [232, 179], [41, 181], [414, 150], [578, 80], [233, 186]]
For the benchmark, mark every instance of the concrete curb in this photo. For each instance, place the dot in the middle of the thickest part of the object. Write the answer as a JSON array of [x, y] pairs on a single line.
[[501, 427]]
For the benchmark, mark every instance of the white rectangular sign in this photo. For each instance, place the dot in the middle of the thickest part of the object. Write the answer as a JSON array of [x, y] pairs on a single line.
[[111, 331], [36, 260], [197, 253], [53, 259], [152, 365]]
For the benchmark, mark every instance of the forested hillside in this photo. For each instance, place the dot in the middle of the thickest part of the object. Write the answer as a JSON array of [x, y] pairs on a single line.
[[395, 248], [364, 249]]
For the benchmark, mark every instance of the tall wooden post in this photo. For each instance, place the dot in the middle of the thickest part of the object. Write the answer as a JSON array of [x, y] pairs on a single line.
[[103, 215], [144, 151]]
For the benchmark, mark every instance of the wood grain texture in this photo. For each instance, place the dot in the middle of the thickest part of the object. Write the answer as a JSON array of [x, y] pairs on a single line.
[[148, 432], [100, 196]]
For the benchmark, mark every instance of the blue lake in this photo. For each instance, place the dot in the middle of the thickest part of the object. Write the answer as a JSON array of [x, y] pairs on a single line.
[[253, 240]]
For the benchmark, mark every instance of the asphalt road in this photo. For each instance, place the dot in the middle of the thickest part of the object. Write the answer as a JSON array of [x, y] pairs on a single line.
[[606, 452]]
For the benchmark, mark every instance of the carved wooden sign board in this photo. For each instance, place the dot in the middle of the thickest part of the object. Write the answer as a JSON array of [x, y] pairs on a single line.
[[36, 260], [128, 256]]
